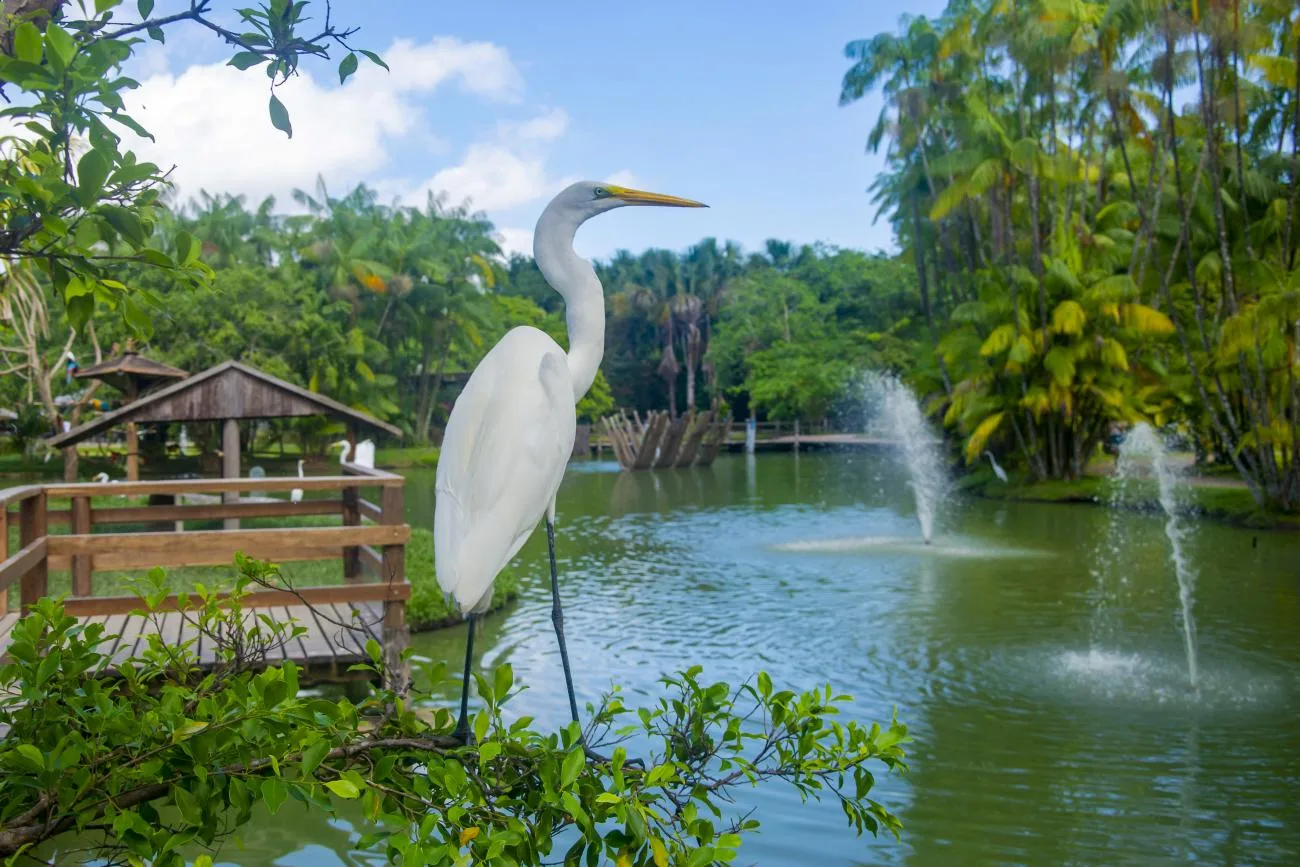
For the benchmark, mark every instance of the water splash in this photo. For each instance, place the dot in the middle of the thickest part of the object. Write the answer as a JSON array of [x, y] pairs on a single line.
[[899, 414], [1142, 449]]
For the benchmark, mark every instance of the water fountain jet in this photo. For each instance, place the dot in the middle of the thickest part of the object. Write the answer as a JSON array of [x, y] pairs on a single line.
[[900, 415], [1143, 453]]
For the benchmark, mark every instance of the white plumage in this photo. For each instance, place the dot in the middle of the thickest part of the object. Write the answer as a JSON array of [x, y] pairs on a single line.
[[503, 455], [295, 496]]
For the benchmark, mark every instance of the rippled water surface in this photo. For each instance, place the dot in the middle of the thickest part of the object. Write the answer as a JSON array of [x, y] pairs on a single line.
[[1031, 747]]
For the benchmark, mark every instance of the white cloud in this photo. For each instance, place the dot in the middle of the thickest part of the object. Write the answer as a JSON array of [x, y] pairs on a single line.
[[515, 240], [211, 120], [623, 178]]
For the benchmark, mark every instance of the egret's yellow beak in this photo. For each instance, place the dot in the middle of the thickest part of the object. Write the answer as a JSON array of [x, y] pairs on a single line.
[[640, 197]]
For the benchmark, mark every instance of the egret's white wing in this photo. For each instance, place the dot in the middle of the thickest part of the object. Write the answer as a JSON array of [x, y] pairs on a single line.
[[506, 446]]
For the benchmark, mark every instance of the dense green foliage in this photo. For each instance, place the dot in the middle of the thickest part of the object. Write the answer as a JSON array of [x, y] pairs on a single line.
[[1089, 249], [166, 761], [387, 308]]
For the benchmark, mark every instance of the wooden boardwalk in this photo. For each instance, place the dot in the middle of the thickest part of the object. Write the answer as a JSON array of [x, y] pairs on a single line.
[[369, 538], [335, 637]]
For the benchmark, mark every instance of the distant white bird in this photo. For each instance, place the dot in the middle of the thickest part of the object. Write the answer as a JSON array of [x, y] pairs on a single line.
[[365, 456], [103, 478], [295, 496], [511, 430], [997, 470]]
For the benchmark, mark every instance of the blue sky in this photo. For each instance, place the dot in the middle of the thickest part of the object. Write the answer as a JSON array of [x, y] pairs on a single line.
[[728, 102]]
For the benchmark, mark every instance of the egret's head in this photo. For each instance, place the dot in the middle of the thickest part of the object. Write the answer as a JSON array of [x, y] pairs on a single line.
[[595, 197]]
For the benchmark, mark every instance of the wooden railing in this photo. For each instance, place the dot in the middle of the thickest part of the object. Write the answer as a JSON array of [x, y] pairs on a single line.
[[371, 537]]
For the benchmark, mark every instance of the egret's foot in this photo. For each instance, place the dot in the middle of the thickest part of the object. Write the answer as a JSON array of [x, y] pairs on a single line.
[[463, 734]]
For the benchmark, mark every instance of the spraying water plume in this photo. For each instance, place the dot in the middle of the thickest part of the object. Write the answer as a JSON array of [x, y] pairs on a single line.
[[899, 414]]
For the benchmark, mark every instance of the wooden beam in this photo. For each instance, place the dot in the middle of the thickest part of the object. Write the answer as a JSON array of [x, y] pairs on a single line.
[[202, 486], [16, 567], [12, 496], [31, 529], [369, 510], [211, 541], [340, 595], [142, 514], [351, 518], [81, 564], [230, 465], [4, 555]]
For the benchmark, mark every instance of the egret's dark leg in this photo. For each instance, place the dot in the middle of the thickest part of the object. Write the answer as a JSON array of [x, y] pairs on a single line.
[[557, 618], [462, 726]]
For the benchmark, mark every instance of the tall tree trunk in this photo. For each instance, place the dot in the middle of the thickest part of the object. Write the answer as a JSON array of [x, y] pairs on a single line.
[[422, 404], [436, 385]]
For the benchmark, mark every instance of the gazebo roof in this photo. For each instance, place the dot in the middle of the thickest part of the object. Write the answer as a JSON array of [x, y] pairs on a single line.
[[130, 365], [230, 390]]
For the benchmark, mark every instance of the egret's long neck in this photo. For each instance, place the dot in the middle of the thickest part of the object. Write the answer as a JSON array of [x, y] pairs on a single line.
[[575, 280]]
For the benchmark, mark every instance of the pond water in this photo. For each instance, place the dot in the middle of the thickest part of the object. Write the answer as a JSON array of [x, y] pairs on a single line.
[[1030, 746]]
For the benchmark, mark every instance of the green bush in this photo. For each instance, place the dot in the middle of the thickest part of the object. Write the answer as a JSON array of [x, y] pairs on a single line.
[[429, 607]]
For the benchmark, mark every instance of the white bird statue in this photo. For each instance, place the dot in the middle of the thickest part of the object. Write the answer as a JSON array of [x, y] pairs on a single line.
[[365, 456], [511, 430], [997, 470], [295, 496]]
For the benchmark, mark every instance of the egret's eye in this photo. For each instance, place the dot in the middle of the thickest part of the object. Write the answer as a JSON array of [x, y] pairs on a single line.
[[601, 192]]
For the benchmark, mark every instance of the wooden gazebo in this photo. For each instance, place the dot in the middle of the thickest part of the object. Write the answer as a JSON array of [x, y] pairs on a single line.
[[229, 393], [133, 375]]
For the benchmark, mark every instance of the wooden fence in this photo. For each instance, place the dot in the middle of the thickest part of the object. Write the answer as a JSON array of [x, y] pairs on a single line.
[[371, 538]]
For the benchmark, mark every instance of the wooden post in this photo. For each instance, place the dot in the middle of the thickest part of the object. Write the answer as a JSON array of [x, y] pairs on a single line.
[[82, 567], [32, 526], [132, 436], [796, 434], [4, 554], [351, 518], [70, 464], [396, 635], [230, 465]]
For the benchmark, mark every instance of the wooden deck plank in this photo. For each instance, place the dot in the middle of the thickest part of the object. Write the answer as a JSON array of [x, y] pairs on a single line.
[[335, 636]]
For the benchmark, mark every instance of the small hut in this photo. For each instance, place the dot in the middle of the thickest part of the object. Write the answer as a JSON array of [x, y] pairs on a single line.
[[229, 393], [133, 375]]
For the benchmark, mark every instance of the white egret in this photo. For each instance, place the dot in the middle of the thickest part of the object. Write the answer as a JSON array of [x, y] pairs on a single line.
[[997, 470], [103, 478], [295, 496], [511, 429]]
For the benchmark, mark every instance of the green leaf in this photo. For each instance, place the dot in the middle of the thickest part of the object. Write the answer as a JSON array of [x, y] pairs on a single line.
[[373, 650], [145, 7], [187, 249], [60, 43], [33, 755], [102, 6], [245, 59], [573, 763], [92, 172], [188, 805], [313, 756], [374, 58], [502, 679], [136, 319], [656, 848], [280, 116], [274, 793], [343, 789], [347, 66], [27, 43], [156, 34]]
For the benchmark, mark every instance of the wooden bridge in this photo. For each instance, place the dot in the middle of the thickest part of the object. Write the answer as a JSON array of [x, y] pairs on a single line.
[[370, 540]]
